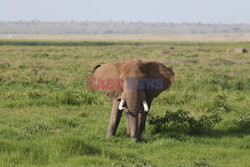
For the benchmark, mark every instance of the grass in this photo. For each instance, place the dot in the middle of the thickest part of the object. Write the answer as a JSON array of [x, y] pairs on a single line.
[[48, 118]]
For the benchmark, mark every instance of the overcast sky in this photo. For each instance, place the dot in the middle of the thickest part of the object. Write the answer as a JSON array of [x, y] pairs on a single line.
[[191, 11]]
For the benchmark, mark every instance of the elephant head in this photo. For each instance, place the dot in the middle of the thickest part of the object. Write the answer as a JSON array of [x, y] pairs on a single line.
[[135, 85]]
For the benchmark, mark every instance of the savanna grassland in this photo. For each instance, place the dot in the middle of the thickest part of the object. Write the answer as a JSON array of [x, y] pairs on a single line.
[[49, 118]]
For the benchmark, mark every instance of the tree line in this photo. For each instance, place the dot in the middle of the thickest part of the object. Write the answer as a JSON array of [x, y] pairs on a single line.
[[37, 27]]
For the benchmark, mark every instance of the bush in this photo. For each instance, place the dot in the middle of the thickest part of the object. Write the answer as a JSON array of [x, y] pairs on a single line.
[[176, 98], [4, 65], [34, 94], [203, 163], [40, 55], [243, 124], [77, 97], [11, 95], [137, 161], [218, 102], [182, 121], [227, 82]]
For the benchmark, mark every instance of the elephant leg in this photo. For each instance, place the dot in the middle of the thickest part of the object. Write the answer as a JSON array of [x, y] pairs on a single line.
[[141, 123], [133, 121], [127, 120], [142, 120], [114, 119]]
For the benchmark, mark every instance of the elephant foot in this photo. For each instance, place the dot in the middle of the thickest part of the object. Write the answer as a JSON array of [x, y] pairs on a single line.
[[139, 140], [109, 135], [111, 131], [136, 139]]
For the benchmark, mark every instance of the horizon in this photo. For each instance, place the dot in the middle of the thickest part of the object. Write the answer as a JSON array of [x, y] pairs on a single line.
[[112, 21]]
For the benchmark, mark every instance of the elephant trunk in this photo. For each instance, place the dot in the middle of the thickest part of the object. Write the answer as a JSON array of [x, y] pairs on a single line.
[[132, 99], [136, 103]]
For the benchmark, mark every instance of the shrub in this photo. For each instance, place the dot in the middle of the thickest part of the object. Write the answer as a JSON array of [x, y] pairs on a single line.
[[203, 163], [40, 55], [182, 121], [11, 95], [218, 102], [243, 125], [34, 94], [4, 65], [77, 97], [59, 56], [227, 82], [138, 162], [39, 129], [176, 98]]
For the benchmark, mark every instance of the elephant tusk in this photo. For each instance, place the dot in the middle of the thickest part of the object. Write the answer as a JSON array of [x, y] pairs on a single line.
[[145, 105], [121, 105]]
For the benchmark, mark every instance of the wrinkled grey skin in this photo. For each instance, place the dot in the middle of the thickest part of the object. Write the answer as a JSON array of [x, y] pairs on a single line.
[[133, 108]]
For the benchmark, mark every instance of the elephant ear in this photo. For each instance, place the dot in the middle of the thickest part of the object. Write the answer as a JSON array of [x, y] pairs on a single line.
[[109, 72], [156, 70]]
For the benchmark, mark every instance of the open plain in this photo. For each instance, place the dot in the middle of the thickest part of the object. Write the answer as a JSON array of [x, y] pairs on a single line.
[[49, 118]]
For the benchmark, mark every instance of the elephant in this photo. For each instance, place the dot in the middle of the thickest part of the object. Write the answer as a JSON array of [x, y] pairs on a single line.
[[134, 101]]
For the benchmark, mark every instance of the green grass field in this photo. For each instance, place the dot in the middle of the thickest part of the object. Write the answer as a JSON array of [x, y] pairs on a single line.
[[48, 118]]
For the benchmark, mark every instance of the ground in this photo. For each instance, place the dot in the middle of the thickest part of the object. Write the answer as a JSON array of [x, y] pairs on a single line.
[[49, 118]]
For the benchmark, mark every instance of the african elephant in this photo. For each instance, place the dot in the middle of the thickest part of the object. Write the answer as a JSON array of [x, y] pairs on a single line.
[[135, 100]]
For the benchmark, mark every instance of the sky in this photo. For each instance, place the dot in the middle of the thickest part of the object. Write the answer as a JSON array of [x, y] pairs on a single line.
[[174, 11]]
